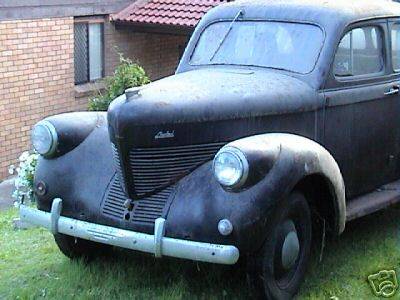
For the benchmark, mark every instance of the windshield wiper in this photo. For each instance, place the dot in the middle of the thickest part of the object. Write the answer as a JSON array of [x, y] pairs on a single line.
[[226, 34]]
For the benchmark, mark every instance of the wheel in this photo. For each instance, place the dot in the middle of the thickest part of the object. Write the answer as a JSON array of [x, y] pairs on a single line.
[[277, 269], [76, 248]]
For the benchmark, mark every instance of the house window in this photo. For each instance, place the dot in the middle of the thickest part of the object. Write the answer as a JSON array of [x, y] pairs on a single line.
[[89, 50]]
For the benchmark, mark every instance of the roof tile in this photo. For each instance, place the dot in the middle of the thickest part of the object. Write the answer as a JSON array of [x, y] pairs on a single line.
[[185, 13]]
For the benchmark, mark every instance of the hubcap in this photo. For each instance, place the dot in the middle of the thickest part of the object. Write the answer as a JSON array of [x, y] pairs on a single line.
[[289, 245], [290, 250], [287, 250]]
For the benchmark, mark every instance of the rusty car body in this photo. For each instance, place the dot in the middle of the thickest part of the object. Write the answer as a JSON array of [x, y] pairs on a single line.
[[279, 111]]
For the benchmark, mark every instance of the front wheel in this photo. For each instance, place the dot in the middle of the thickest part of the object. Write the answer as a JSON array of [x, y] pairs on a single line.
[[277, 270]]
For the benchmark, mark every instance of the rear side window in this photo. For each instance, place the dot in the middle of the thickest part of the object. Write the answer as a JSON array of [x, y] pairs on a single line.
[[359, 53], [396, 47]]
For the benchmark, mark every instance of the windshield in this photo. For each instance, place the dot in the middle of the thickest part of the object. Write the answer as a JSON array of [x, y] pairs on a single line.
[[280, 45]]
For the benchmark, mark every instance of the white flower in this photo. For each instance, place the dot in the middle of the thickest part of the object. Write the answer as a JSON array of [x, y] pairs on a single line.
[[24, 183], [24, 156], [11, 170]]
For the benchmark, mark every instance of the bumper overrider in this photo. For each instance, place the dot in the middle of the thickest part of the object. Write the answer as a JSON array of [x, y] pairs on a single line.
[[158, 244]]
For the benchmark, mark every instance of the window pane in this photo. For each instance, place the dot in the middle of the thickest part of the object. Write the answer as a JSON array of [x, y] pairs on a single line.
[[368, 59], [396, 46], [290, 46], [359, 53], [81, 53], [95, 51], [342, 65], [358, 41]]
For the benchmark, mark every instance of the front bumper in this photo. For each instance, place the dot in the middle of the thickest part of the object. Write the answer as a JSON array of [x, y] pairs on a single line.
[[157, 244]]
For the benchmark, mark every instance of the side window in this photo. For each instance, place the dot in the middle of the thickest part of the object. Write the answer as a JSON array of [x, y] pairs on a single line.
[[396, 47], [359, 53]]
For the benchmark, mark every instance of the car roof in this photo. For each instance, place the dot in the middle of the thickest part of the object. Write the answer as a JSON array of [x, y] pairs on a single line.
[[322, 12], [333, 16]]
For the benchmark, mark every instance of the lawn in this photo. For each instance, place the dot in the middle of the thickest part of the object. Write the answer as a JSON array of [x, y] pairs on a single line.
[[31, 267]]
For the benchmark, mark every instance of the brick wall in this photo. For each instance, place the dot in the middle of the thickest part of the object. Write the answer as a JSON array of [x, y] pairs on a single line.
[[159, 54], [36, 79], [37, 73]]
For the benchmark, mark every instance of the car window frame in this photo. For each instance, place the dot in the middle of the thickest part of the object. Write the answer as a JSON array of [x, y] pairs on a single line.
[[257, 66], [331, 83], [391, 23], [368, 75]]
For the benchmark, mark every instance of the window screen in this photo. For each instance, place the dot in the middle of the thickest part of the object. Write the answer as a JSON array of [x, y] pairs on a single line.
[[81, 52], [359, 53], [396, 46], [88, 53]]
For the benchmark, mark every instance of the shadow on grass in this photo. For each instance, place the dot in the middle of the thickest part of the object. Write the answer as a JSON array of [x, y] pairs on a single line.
[[148, 277], [367, 246]]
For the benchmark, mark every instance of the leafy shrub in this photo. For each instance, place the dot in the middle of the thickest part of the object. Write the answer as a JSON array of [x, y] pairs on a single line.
[[24, 181], [127, 74]]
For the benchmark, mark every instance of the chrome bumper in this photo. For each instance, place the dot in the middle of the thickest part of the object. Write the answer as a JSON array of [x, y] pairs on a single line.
[[157, 244]]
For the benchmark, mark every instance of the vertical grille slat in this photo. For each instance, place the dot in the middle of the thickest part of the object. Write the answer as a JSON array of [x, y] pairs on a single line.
[[155, 167]]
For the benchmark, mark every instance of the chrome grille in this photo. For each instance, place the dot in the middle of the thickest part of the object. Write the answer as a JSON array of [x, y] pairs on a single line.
[[145, 211], [155, 167]]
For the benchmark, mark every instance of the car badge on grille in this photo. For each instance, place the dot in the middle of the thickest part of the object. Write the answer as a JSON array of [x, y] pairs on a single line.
[[165, 135]]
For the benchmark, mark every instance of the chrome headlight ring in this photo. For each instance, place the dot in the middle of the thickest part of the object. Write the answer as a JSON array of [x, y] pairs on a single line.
[[231, 167], [44, 138]]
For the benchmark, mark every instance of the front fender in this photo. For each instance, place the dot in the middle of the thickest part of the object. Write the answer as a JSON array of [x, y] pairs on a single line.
[[308, 158], [80, 176], [200, 202], [73, 128]]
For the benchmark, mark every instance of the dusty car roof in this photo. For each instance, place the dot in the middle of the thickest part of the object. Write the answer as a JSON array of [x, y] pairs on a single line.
[[333, 16], [323, 12]]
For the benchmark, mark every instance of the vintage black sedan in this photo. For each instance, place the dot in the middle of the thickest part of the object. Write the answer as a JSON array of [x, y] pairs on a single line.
[[280, 113]]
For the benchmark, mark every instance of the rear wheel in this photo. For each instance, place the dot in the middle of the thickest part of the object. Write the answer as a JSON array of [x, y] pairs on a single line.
[[75, 248], [277, 270]]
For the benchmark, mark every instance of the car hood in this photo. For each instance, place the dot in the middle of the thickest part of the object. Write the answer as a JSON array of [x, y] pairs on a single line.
[[212, 95]]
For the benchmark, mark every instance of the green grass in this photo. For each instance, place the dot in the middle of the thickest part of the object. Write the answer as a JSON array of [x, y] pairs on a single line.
[[31, 267]]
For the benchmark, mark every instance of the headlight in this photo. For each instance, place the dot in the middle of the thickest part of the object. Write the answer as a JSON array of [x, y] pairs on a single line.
[[44, 138], [231, 167]]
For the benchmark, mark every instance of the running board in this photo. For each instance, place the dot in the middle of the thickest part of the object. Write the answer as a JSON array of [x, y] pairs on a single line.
[[385, 196]]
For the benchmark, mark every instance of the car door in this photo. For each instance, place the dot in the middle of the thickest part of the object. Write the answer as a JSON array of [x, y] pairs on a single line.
[[394, 31], [362, 108]]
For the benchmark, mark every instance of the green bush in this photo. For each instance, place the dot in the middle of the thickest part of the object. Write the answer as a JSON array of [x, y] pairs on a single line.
[[127, 74]]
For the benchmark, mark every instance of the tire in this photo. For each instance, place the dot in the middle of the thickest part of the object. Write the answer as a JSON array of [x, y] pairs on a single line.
[[277, 270], [76, 248]]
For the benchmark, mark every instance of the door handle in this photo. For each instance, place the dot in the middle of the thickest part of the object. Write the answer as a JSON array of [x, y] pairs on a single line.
[[393, 90]]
